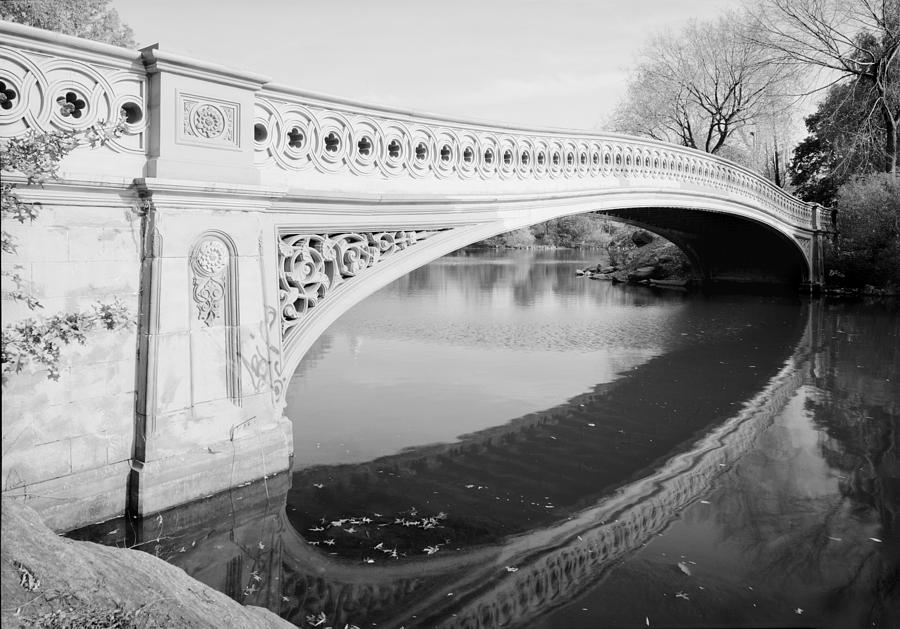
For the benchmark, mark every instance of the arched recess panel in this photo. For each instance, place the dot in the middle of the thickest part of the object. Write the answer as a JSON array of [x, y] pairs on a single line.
[[215, 320]]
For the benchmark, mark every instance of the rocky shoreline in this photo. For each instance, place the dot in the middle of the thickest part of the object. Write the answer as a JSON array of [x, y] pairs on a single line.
[[52, 581], [640, 257]]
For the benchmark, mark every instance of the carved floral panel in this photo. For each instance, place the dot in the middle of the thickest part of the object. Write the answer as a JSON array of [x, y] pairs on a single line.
[[206, 121]]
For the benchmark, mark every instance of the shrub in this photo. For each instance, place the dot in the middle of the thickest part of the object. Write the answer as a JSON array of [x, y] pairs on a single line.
[[39, 340], [867, 249]]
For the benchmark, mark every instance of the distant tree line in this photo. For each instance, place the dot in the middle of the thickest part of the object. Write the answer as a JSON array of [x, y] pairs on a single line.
[[728, 87], [580, 230]]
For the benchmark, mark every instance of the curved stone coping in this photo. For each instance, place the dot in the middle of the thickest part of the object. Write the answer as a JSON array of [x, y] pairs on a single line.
[[555, 564]]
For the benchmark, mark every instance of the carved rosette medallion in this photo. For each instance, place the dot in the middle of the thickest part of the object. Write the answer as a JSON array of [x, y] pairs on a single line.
[[209, 263], [313, 265], [208, 121]]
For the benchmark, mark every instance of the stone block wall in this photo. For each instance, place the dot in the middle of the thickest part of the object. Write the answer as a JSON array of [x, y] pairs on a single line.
[[67, 443]]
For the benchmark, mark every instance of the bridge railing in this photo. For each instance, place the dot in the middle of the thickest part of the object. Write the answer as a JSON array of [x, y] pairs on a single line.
[[177, 109], [300, 131], [53, 82]]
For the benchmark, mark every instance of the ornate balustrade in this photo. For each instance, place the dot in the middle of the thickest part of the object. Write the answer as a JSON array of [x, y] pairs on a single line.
[[56, 82], [298, 132]]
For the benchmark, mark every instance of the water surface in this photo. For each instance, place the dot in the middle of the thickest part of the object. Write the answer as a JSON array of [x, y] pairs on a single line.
[[492, 441]]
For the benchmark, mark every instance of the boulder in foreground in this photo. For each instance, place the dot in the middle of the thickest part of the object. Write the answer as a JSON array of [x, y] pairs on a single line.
[[51, 581]]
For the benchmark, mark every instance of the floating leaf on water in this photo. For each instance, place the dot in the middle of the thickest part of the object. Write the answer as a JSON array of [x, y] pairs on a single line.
[[647, 620], [705, 502], [875, 539], [511, 569], [798, 611], [682, 595], [835, 539], [684, 568]]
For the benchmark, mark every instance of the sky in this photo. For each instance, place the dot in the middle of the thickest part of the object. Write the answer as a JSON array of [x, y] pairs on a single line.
[[546, 63]]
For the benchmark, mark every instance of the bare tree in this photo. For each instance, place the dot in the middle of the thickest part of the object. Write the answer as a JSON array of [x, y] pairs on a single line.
[[856, 39], [700, 86]]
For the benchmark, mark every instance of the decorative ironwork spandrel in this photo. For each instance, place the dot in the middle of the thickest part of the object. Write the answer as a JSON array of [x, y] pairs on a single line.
[[312, 265]]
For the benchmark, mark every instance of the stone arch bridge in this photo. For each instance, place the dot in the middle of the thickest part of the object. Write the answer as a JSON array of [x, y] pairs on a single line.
[[238, 218]]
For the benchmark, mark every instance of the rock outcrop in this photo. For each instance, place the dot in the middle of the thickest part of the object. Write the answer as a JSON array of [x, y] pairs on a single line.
[[639, 257], [48, 580]]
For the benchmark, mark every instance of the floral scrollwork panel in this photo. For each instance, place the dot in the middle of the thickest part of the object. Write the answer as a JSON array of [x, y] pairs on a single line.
[[313, 265], [209, 265]]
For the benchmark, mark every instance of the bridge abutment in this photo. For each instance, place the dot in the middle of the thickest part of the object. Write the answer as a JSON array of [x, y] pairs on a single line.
[[207, 415]]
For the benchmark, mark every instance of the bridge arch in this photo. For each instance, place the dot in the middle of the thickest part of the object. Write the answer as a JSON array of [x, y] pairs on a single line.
[[726, 242]]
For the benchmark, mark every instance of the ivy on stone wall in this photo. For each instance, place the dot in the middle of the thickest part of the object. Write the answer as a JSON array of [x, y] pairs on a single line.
[[36, 341]]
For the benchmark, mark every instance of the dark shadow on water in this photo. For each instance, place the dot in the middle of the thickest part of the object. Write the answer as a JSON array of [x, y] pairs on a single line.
[[540, 468], [512, 522]]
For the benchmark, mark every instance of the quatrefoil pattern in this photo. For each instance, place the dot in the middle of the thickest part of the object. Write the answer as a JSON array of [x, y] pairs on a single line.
[[71, 105], [7, 96], [315, 136]]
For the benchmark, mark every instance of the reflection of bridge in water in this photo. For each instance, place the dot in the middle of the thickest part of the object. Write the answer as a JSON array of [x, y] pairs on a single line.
[[241, 217], [261, 559]]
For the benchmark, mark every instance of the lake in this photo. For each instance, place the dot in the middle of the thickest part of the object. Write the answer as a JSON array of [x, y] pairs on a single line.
[[493, 441]]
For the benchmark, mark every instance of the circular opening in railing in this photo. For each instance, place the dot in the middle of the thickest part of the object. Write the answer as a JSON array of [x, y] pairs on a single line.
[[583, 159], [7, 95], [260, 133], [332, 142], [446, 153], [556, 159], [71, 105], [132, 112], [665, 165], [637, 161], [607, 159], [524, 158], [507, 157], [656, 163], [364, 146], [618, 160], [628, 160], [295, 138], [541, 158], [570, 159], [394, 149], [421, 151], [468, 155], [489, 156], [595, 158]]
